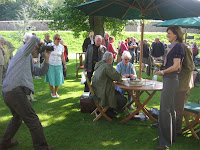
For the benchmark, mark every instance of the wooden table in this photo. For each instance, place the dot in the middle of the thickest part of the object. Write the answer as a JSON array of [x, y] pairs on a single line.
[[136, 97]]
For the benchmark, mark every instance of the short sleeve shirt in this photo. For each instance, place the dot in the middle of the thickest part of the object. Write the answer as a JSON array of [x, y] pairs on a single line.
[[176, 52], [128, 69], [55, 57]]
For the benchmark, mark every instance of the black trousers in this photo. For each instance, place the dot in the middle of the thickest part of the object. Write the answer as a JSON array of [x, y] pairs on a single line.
[[89, 75], [121, 102], [136, 55], [64, 72], [22, 110]]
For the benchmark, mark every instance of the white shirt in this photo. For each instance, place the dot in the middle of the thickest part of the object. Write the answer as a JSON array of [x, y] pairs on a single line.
[[92, 41], [55, 57]]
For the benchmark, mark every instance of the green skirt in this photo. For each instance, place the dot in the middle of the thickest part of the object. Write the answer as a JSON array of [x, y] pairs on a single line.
[[55, 75]]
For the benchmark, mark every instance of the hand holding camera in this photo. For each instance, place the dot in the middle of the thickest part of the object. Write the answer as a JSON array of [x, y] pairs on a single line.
[[43, 47]]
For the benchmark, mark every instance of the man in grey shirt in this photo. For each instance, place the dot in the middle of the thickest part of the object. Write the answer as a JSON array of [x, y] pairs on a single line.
[[17, 84]]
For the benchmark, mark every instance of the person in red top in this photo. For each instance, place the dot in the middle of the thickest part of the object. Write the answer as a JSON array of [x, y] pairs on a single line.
[[111, 48], [66, 58], [123, 47]]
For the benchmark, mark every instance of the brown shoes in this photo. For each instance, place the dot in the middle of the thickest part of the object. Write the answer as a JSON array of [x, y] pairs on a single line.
[[4, 146]]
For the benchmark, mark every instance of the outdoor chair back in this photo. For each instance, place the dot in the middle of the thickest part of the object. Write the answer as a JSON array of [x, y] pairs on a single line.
[[99, 111], [192, 112]]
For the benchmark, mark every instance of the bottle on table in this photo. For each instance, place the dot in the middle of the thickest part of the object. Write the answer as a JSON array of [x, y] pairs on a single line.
[[154, 79]]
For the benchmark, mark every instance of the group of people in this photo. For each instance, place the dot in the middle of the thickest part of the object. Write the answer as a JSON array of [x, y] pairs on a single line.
[[100, 54], [157, 49], [195, 49], [178, 67]]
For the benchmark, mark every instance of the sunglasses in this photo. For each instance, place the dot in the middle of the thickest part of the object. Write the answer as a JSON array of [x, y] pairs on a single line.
[[59, 39]]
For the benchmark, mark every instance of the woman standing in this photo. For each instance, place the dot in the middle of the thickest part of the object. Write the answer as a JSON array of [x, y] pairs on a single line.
[[123, 47], [173, 60], [55, 73], [127, 70], [111, 48]]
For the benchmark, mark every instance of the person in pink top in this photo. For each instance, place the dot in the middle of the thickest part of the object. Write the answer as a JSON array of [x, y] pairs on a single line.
[[123, 47], [111, 48]]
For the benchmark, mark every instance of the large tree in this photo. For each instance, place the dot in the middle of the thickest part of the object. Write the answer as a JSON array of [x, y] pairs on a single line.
[[13, 9], [67, 17]]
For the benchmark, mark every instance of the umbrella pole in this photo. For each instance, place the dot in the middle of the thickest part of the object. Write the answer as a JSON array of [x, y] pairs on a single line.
[[141, 49], [186, 31]]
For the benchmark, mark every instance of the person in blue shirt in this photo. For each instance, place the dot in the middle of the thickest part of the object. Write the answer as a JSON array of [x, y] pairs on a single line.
[[127, 70]]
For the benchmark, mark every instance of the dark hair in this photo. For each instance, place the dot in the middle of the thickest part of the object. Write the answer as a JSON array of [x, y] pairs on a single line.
[[177, 31], [111, 38]]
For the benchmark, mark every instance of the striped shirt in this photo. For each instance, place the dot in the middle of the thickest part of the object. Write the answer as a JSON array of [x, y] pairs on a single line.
[[21, 69]]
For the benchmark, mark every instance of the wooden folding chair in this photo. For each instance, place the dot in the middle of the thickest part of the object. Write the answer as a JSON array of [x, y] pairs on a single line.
[[99, 111], [192, 110]]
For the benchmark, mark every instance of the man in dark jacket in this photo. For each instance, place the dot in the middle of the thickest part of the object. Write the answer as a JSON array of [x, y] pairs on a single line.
[[88, 41], [94, 54], [157, 48]]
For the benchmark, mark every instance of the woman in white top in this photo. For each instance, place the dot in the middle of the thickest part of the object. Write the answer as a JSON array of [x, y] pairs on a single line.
[[55, 73]]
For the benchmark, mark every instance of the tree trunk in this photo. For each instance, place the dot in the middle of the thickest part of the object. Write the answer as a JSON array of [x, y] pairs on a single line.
[[96, 24]]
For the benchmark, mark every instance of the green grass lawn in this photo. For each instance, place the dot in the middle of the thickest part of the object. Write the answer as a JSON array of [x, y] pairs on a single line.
[[66, 127]]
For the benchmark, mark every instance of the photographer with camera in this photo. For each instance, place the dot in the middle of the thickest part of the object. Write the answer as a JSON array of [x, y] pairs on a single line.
[[17, 84], [55, 73]]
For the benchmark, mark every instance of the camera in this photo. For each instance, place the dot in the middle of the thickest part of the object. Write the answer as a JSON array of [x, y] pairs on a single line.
[[43, 48]]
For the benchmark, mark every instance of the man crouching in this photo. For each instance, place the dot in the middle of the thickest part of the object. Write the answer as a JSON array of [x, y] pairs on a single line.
[[102, 84], [17, 84]]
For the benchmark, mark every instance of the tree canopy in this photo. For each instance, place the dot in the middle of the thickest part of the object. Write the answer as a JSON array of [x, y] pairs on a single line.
[[67, 17], [63, 14]]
